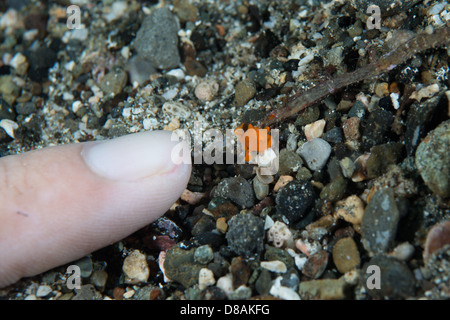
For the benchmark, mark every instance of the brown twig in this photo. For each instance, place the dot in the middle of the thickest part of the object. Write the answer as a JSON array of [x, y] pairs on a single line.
[[418, 43]]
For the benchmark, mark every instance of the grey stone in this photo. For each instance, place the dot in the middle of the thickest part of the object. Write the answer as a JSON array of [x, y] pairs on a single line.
[[236, 189], [245, 234], [114, 81], [334, 190], [396, 280], [180, 266], [289, 162], [203, 254], [244, 91], [261, 189], [85, 265], [6, 111], [26, 108], [99, 278], [379, 222], [157, 39], [294, 200], [315, 153], [433, 160]]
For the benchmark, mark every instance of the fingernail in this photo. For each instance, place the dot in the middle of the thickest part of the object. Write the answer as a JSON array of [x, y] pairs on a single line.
[[131, 157]]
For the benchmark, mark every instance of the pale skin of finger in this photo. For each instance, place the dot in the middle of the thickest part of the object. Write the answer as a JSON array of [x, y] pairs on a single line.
[[54, 209]]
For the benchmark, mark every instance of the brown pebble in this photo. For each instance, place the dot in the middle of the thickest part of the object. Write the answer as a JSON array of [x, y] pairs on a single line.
[[192, 197], [195, 68], [155, 294], [351, 128], [351, 209], [221, 225], [118, 293], [240, 272], [437, 237], [316, 264], [346, 255], [382, 89], [326, 222], [284, 180]]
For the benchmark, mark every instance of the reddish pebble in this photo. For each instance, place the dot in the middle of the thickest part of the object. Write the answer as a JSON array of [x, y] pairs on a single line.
[[437, 237]]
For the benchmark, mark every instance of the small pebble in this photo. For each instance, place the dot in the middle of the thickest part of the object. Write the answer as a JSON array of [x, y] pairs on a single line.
[[403, 252], [114, 81], [437, 237], [334, 190], [244, 91], [280, 235], [396, 281], [135, 267], [350, 128], [379, 222], [433, 159], [245, 234], [205, 278], [157, 39], [351, 209], [43, 291], [315, 129], [203, 254], [225, 283], [180, 266], [303, 174], [240, 271], [375, 127], [346, 255], [98, 279], [195, 68], [221, 225], [206, 90], [264, 282], [282, 181], [241, 293], [289, 162], [261, 189], [282, 292], [347, 167], [323, 289], [273, 253], [316, 265], [295, 199], [315, 153], [274, 266], [236, 189]]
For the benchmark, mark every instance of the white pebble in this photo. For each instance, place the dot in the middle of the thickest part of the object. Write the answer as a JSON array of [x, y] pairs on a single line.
[[170, 94], [274, 266], [205, 278], [282, 292], [177, 73], [315, 153], [128, 294], [207, 90], [135, 267], [9, 126], [403, 252], [280, 235], [17, 60], [315, 129], [43, 291], [225, 283], [176, 109]]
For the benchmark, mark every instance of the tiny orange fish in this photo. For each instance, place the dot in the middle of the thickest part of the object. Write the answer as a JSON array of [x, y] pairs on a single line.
[[263, 139]]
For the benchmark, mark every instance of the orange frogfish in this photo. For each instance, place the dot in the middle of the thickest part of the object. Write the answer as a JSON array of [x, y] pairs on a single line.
[[253, 139]]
